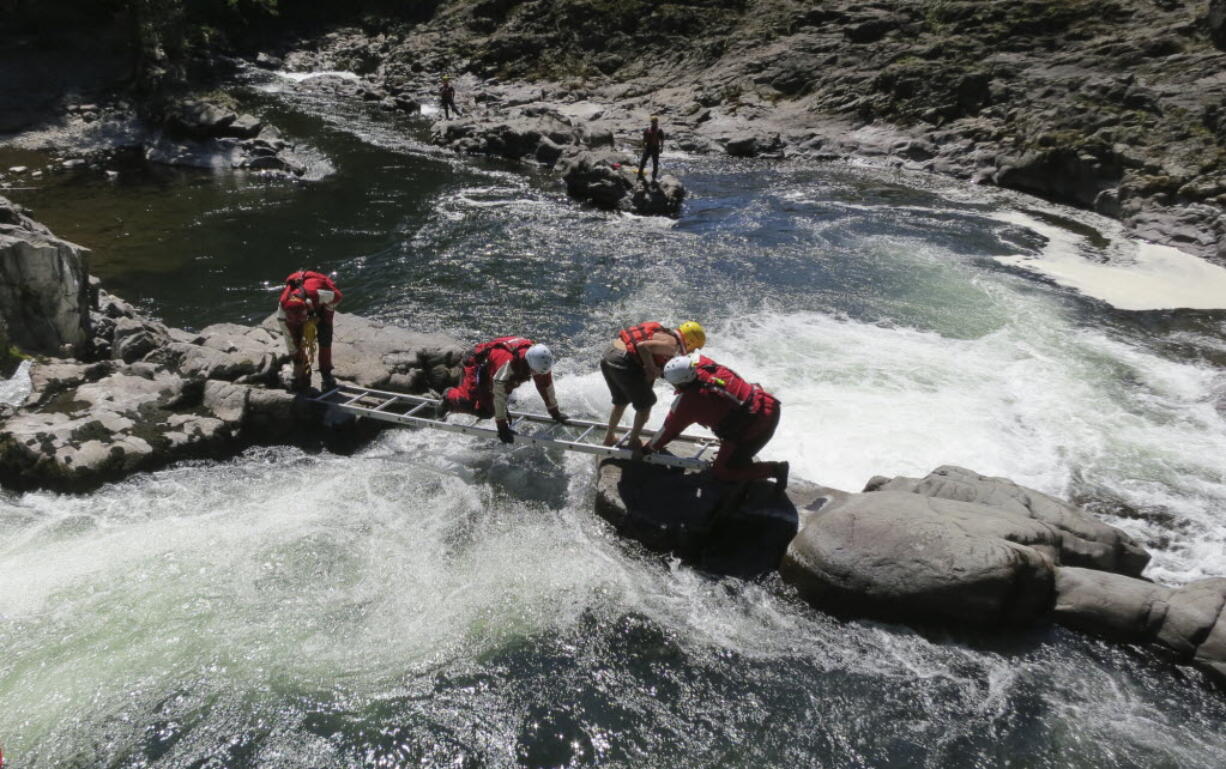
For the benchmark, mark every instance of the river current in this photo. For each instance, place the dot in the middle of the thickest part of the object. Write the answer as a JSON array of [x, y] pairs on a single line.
[[438, 601]]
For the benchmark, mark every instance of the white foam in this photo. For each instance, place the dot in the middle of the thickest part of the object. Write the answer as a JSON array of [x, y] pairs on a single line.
[[298, 77], [16, 388], [1131, 275]]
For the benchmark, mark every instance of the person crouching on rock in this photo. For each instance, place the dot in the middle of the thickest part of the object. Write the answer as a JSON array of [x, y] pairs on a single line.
[[446, 98], [742, 415], [308, 296], [492, 370], [632, 363], [653, 142]]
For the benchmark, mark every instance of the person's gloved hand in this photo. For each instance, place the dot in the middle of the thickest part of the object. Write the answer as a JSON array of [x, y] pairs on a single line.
[[505, 433], [556, 414]]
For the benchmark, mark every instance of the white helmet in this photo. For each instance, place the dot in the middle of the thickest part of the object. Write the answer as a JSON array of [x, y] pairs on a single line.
[[540, 359], [679, 370]]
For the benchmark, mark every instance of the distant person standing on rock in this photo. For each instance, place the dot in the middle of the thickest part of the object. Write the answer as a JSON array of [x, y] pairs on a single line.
[[653, 142], [308, 296], [446, 98]]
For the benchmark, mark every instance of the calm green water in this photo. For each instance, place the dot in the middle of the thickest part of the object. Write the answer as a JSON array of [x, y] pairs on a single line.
[[436, 601]]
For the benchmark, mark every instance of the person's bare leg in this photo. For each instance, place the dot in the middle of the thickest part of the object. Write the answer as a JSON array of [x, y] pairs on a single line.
[[633, 440], [615, 418]]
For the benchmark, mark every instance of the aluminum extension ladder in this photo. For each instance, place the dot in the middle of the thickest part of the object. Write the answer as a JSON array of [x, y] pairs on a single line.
[[574, 435]]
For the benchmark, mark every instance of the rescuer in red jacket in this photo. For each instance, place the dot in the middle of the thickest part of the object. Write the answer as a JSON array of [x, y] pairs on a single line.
[[632, 363], [492, 370], [307, 295], [741, 414]]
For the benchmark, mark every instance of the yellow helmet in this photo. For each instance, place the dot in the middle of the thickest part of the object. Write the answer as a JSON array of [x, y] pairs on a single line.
[[693, 335]]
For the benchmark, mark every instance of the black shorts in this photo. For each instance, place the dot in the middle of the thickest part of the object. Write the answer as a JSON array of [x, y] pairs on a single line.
[[626, 380]]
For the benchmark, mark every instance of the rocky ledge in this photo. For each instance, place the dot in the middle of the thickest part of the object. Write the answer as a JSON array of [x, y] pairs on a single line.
[[1111, 106], [190, 132], [952, 548], [156, 395]]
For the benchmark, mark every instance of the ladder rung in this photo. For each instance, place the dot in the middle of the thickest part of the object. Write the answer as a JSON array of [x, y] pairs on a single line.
[[583, 435], [417, 408]]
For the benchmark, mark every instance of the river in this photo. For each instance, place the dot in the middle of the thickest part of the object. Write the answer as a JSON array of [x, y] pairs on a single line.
[[438, 601]]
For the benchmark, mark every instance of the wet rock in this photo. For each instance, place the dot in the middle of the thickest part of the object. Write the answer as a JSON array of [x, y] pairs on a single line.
[[900, 555], [44, 292], [1085, 540], [548, 152], [662, 198], [600, 178], [1065, 174], [198, 119], [690, 515], [245, 127], [1112, 605], [1188, 621], [269, 61], [194, 394], [134, 338]]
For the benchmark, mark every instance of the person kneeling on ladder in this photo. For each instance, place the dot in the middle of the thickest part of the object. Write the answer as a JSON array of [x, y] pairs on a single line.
[[492, 370], [742, 415], [305, 310]]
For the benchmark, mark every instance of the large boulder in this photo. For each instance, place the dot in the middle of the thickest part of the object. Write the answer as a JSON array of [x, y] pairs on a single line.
[[955, 545], [899, 555], [662, 198], [1085, 540], [601, 178], [720, 527], [607, 179], [44, 290]]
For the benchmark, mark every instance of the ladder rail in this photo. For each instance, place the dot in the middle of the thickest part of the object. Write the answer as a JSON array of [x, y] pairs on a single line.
[[347, 398]]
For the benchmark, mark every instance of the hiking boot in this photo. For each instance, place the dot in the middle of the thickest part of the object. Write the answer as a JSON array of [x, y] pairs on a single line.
[[327, 382]]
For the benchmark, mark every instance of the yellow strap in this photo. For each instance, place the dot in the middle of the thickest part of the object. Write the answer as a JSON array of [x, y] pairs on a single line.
[[309, 332]]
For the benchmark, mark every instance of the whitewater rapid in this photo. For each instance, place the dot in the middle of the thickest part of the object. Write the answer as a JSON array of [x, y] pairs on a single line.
[[441, 600]]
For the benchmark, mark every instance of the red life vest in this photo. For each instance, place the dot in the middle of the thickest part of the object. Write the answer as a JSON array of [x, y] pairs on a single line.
[[653, 137], [745, 399], [301, 292], [512, 344], [644, 332]]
